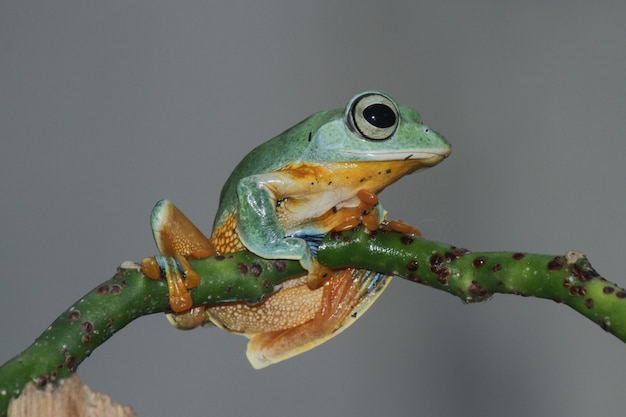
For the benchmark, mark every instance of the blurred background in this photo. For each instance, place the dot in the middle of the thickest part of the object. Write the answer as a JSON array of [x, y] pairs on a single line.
[[107, 107]]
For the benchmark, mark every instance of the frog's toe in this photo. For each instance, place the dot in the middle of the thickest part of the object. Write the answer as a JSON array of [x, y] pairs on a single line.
[[368, 198], [176, 271], [190, 319], [401, 227]]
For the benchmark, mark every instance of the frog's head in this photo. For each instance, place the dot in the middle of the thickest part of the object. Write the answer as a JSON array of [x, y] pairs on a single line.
[[374, 128]]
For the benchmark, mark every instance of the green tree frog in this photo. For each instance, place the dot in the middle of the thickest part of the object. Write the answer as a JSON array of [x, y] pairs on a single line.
[[323, 174]]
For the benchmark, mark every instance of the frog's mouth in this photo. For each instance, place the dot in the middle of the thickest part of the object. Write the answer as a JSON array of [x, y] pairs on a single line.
[[428, 158]]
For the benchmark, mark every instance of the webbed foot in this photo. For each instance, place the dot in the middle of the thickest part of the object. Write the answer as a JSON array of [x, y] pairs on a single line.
[[179, 276], [343, 299]]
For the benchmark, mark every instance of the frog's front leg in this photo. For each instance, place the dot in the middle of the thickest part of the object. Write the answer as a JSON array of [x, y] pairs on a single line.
[[261, 231], [178, 239]]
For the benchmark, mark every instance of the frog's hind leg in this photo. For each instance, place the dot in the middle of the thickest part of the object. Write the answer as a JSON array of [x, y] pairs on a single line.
[[176, 236], [346, 296]]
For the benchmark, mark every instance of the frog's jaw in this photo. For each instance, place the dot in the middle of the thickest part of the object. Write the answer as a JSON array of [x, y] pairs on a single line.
[[427, 158]]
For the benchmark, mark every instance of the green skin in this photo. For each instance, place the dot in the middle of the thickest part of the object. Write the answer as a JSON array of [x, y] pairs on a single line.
[[256, 185]]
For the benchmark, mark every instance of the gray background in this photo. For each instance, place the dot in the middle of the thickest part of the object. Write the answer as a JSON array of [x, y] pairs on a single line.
[[107, 107]]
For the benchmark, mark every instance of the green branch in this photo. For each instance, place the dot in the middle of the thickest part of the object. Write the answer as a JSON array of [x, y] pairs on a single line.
[[472, 276]]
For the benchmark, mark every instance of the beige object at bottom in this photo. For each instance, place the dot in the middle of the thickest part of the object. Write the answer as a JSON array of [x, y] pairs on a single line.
[[71, 398]]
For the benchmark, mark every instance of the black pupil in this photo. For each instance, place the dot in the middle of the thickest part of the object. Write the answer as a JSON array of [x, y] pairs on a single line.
[[379, 115]]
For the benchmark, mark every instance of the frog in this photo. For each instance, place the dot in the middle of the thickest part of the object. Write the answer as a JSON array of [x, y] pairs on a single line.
[[323, 174]]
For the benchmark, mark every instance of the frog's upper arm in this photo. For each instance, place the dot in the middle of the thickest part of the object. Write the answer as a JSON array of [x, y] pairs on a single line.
[[257, 224]]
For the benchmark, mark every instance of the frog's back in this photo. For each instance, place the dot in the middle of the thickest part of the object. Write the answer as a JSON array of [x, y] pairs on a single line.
[[271, 156]]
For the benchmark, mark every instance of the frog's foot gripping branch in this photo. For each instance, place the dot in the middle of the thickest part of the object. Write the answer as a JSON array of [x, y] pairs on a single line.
[[368, 213], [177, 239], [179, 276]]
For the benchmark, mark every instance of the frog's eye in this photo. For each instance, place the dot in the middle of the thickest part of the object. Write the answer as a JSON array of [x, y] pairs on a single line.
[[374, 116]]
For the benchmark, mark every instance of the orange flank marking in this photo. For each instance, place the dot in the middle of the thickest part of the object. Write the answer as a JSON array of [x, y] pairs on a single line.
[[225, 238]]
